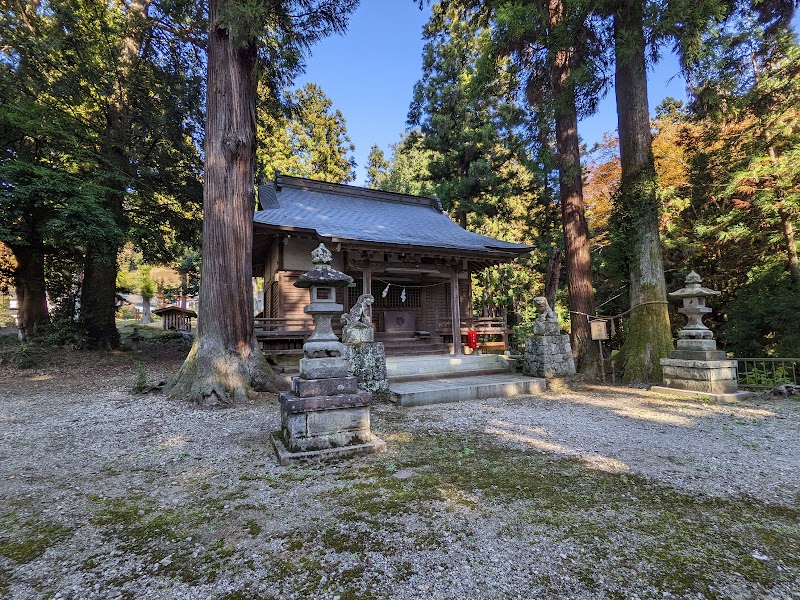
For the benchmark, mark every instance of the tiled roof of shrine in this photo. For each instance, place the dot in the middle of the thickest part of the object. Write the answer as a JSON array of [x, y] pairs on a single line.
[[343, 213]]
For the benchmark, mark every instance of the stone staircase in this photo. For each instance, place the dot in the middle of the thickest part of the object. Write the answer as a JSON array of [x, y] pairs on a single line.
[[407, 344], [434, 379]]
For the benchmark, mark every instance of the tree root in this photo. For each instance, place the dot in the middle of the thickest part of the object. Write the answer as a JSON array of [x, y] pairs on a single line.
[[215, 377]]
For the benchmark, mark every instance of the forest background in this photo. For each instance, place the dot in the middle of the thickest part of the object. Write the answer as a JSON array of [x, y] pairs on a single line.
[[102, 108]]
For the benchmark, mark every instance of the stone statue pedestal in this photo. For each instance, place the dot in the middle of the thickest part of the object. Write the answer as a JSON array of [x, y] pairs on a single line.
[[548, 356], [324, 415], [548, 352], [706, 376], [368, 365]]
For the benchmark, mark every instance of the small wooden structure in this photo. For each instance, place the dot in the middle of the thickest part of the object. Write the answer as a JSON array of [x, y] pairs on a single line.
[[175, 318], [404, 250]]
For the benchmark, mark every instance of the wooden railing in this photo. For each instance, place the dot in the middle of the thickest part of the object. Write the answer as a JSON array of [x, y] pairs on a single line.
[[492, 331], [266, 327], [282, 335]]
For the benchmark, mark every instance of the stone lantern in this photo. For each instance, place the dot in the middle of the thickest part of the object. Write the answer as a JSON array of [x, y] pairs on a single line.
[[324, 414], [697, 366], [696, 341]]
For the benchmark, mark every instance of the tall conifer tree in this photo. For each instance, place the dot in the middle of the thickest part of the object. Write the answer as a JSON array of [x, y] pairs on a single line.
[[225, 363]]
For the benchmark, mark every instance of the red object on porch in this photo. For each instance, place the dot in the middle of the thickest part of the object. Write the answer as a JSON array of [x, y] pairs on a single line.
[[472, 339]]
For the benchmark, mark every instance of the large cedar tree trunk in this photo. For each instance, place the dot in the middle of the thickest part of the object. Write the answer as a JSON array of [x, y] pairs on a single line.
[[99, 296], [147, 315], [573, 215], [648, 337], [225, 364], [29, 282]]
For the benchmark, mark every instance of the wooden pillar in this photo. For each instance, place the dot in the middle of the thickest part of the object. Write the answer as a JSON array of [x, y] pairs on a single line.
[[366, 286], [455, 309]]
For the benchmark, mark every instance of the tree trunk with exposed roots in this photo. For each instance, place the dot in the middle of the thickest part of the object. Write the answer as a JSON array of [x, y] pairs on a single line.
[[225, 364]]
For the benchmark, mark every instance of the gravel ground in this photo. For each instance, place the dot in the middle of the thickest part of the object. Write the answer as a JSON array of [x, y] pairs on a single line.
[[594, 493]]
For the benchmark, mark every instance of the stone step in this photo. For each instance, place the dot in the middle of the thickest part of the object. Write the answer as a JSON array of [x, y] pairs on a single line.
[[416, 349], [445, 365], [383, 336], [432, 376], [410, 342], [434, 339], [459, 389]]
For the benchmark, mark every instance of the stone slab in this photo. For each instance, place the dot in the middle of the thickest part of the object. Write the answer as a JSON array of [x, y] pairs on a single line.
[[698, 364], [323, 368], [292, 404], [285, 457], [459, 389], [308, 388], [317, 430], [297, 436], [699, 374], [326, 422], [724, 397], [720, 386], [443, 365]]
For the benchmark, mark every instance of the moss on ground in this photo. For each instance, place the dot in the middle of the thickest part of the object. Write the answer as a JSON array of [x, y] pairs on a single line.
[[165, 537], [23, 541], [671, 541], [629, 532]]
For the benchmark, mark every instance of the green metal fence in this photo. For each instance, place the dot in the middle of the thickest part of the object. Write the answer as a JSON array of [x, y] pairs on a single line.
[[768, 372]]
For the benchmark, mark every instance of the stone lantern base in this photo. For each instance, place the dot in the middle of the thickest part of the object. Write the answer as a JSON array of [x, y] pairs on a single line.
[[324, 417], [709, 376]]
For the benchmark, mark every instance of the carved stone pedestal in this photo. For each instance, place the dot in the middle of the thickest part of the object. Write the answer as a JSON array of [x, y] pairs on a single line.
[[368, 365], [708, 376], [548, 352], [548, 356]]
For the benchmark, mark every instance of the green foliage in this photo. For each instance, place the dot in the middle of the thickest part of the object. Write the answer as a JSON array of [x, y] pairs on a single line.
[[763, 317], [480, 151], [7, 267], [140, 384], [462, 119], [407, 170], [100, 112], [147, 289], [61, 332], [312, 143], [377, 166], [767, 378]]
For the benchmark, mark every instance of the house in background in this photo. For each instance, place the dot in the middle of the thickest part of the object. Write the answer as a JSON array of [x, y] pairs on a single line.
[[402, 249]]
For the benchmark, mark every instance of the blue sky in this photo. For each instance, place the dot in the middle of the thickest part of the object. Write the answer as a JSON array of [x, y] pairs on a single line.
[[369, 74]]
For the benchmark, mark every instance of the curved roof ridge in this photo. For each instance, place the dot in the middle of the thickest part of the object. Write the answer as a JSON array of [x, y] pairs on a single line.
[[357, 214], [354, 190]]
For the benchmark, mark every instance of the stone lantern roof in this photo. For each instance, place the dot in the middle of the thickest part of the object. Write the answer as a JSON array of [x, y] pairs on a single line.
[[693, 289]]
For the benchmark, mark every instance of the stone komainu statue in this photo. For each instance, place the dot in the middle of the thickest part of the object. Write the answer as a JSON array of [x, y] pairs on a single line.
[[357, 315], [544, 312]]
